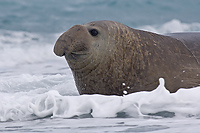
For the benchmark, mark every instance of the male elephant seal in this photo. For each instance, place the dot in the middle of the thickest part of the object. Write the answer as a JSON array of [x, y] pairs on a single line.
[[107, 57]]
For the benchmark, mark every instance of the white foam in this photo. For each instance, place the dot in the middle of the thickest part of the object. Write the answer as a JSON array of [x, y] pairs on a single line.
[[172, 26], [20, 55], [18, 48], [39, 84], [29, 105]]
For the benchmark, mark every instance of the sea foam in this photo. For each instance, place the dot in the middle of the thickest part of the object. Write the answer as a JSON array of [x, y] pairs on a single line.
[[157, 103]]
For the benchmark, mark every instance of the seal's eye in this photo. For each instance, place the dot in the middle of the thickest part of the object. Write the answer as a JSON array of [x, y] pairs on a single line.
[[93, 32]]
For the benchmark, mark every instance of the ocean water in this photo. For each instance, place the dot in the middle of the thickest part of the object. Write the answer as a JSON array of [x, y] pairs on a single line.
[[37, 90]]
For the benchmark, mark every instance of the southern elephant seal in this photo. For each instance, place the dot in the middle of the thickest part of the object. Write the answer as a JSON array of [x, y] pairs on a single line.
[[107, 57]]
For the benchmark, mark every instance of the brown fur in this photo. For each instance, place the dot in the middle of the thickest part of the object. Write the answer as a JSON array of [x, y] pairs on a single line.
[[121, 58]]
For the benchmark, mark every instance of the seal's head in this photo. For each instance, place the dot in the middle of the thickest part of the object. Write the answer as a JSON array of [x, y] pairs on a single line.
[[81, 42]]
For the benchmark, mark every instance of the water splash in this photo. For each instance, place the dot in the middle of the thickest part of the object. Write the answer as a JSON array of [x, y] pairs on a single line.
[[157, 103]]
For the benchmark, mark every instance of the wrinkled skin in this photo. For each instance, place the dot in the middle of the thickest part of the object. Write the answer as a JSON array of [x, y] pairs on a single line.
[[107, 57]]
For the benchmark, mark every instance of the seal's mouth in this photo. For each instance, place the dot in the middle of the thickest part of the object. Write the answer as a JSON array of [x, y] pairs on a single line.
[[79, 51], [78, 54]]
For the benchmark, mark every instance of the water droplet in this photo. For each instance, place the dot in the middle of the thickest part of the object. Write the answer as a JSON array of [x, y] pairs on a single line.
[[125, 92]]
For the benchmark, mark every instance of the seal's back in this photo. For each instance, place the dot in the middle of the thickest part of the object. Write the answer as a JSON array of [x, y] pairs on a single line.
[[191, 40]]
